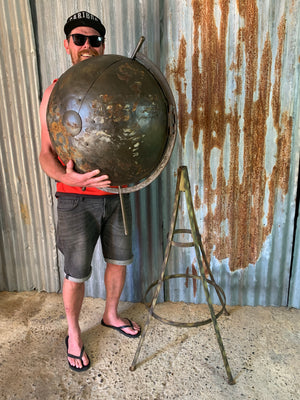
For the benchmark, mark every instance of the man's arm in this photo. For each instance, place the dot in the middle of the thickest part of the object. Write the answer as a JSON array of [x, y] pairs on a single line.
[[52, 166]]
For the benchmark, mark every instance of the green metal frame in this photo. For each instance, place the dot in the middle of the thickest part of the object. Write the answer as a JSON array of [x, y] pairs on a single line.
[[183, 185]]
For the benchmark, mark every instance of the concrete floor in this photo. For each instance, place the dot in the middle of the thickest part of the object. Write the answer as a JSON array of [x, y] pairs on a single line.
[[262, 346]]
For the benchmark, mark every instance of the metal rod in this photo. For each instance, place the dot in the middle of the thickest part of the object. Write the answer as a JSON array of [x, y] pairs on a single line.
[[196, 235], [123, 211], [163, 269], [139, 45]]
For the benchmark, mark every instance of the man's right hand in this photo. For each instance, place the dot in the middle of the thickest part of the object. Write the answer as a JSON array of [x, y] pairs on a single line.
[[88, 179]]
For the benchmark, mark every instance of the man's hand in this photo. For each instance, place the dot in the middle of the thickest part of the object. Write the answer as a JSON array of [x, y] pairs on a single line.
[[73, 178]]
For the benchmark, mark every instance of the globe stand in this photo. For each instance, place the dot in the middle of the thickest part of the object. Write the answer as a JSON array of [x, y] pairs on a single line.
[[183, 185]]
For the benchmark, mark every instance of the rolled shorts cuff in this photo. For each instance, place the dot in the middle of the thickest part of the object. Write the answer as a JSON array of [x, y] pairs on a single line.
[[78, 280], [118, 262]]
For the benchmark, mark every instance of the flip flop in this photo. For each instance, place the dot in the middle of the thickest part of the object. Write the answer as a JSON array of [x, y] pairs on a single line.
[[85, 367], [120, 328]]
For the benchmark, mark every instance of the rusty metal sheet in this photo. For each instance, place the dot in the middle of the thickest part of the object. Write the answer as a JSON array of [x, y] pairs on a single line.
[[234, 75]]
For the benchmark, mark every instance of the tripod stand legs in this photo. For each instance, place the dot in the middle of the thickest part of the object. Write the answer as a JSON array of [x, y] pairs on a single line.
[[183, 185]]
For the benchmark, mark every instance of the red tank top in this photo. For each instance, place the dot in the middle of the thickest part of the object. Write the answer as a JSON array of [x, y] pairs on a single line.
[[62, 188]]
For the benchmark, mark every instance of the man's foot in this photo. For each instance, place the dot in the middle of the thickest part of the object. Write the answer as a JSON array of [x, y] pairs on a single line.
[[80, 362], [125, 326]]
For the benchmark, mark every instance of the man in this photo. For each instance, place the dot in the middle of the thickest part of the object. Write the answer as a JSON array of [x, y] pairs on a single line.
[[86, 212]]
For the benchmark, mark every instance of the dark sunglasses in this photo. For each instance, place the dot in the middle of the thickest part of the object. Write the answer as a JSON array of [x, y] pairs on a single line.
[[94, 40]]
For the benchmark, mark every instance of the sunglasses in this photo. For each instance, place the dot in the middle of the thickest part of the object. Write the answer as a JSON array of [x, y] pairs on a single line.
[[94, 40]]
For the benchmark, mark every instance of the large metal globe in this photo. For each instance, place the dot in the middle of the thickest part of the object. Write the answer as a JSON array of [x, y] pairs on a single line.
[[112, 113]]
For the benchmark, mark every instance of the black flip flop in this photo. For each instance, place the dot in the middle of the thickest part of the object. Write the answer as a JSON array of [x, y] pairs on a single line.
[[85, 367], [120, 328]]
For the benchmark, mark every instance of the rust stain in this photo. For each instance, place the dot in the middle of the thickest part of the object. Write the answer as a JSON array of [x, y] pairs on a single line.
[[197, 201], [238, 202], [187, 279], [194, 272], [25, 213], [179, 80]]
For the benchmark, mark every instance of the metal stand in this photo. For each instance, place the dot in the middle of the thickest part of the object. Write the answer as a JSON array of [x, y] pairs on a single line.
[[183, 185]]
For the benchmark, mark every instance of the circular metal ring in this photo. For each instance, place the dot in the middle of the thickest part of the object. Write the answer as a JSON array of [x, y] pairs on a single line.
[[180, 244], [218, 289]]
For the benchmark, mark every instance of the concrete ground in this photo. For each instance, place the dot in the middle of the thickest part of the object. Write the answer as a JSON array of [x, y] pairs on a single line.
[[262, 346]]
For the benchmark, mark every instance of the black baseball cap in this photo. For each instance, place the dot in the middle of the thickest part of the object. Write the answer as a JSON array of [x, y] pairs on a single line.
[[84, 18]]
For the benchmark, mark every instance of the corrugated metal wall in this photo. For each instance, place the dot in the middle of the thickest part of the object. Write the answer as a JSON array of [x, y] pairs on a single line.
[[28, 257], [234, 70]]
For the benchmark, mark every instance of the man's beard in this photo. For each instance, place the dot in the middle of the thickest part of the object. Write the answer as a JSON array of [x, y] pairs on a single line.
[[77, 57]]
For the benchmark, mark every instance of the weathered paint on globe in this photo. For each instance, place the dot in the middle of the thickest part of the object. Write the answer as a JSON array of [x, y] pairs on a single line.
[[110, 113]]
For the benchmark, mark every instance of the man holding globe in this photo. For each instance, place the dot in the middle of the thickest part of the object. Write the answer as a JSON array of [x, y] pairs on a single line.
[[86, 211]]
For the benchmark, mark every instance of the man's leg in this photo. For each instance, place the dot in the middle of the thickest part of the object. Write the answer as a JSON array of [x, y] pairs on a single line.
[[114, 280], [73, 294]]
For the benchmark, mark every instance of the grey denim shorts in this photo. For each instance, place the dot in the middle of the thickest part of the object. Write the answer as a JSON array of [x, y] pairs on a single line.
[[81, 221]]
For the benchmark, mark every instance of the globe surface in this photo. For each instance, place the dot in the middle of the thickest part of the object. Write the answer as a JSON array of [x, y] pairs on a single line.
[[109, 113]]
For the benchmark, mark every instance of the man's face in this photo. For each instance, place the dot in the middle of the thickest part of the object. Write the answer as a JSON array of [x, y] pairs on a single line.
[[80, 53]]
